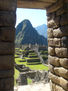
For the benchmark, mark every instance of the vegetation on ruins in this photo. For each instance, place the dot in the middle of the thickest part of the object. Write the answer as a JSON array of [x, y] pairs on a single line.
[[31, 60]]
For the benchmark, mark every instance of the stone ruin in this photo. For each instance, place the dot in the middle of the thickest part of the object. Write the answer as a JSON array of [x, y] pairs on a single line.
[[57, 21], [35, 76], [22, 68]]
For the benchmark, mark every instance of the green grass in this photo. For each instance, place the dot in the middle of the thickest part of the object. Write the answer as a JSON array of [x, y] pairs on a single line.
[[17, 48], [16, 56], [44, 52], [21, 50], [16, 75], [17, 60], [31, 58], [33, 67], [29, 80]]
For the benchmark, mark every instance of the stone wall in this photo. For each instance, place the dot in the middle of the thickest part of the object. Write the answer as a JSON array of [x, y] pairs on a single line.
[[7, 36], [57, 16], [57, 41]]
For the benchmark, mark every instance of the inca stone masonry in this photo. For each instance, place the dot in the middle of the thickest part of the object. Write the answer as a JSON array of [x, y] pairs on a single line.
[[57, 17]]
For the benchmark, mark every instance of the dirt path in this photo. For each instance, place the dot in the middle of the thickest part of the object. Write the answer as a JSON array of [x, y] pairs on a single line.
[[34, 87]]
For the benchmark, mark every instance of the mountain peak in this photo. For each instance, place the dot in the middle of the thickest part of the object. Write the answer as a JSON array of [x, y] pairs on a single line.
[[26, 34]]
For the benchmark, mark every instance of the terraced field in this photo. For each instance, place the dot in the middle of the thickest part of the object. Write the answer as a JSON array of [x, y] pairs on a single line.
[[30, 59]]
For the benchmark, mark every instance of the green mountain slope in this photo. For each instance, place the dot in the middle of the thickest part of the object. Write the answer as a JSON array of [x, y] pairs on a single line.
[[26, 34]]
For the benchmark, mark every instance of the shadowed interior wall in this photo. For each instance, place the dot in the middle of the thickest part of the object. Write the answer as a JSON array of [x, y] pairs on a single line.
[[7, 37], [58, 45]]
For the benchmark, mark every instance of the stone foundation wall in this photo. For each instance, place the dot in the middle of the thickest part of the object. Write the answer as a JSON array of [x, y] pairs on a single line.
[[58, 45], [7, 36]]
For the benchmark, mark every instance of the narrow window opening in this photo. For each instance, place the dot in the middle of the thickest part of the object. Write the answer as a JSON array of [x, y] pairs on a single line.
[[31, 47]]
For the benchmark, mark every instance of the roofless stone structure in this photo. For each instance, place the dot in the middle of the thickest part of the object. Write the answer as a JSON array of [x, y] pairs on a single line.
[[57, 17]]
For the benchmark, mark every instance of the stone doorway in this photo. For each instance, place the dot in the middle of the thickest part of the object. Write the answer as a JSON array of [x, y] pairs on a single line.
[[57, 12]]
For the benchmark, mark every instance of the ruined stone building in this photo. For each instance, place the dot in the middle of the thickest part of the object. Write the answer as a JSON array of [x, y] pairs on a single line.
[[57, 17]]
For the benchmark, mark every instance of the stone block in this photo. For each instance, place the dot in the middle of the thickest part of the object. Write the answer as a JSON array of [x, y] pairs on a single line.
[[57, 33], [51, 68], [23, 79], [55, 6], [59, 88], [64, 83], [8, 5], [52, 86], [51, 51], [54, 42], [6, 62], [66, 6], [50, 33], [7, 34], [6, 48], [50, 16], [54, 23], [54, 78], [60, 71], [60, 11], [64, 62], [54, 60], [59, 80], [7, 19], [64, 41], [64, 19], [61, 52], [6, 73], [60, 32], [6, 84]]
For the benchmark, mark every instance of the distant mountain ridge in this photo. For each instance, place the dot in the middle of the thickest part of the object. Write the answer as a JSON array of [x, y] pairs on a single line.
[[26, 34], [42, 30]]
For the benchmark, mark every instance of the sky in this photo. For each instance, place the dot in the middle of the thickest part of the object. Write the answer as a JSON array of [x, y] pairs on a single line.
[[36, 16]]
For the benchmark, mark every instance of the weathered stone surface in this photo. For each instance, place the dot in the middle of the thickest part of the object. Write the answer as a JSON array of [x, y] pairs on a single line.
[[55, 87], [52, 86], [64, 41], [55, 6], [6, 48], [7, 34], [60, 32], [61, 52], [58, 88], [54, 42], [7, 18], [6, 83], [8, 5], [63, 9], [51, 68], [50, 16], [6, 73], [64, 62], [6, 62], [58, 42], [59, 80], [51, 51], [65, 6], [50, 33], [54, 60], [64, 83], [64, 19], [54, 78], [23, 79], [60, 11], [60, 71], [54, 23]]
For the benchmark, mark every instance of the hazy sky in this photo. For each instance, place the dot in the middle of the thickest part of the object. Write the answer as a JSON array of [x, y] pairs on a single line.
[[36, 16]]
